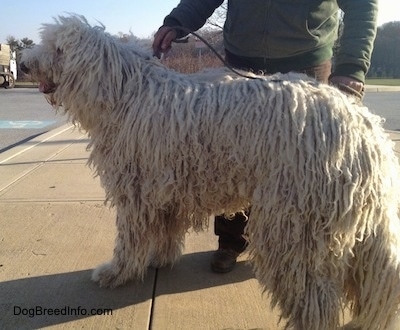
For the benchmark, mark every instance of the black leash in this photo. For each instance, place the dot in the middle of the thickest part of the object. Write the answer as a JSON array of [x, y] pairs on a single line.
[[342, 87], [230, 67]]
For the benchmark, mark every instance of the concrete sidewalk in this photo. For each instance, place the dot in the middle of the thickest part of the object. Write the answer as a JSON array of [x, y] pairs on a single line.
[[54, 229]]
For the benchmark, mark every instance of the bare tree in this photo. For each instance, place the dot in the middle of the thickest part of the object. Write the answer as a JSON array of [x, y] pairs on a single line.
[[26, 43], [17, 45], [13, 42], [217, 20]]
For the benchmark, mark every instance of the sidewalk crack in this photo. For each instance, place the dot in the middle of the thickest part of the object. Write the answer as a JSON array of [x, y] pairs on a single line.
[[153, 300]]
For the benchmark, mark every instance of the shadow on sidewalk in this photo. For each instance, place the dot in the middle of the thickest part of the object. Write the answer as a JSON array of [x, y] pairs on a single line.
[[75, 295]]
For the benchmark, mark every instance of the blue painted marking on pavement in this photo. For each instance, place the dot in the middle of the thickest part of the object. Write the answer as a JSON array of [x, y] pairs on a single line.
[[25, 124]]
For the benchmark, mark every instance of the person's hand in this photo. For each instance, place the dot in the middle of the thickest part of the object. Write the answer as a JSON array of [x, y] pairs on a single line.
[[348, 85], [163, 40]]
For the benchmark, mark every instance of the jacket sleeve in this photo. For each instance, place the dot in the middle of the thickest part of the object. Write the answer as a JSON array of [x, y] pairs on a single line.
[[191, 14], [356, 43]]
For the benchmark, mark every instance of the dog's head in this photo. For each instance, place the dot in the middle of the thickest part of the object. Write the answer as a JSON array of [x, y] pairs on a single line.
[[49, 63], [41, 63]]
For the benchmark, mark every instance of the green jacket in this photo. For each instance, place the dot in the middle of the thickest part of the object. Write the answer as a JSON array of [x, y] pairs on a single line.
[[300, 32]]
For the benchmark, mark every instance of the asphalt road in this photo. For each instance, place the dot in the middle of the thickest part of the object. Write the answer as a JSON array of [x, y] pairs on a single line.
[[386, 105], [25, 113]]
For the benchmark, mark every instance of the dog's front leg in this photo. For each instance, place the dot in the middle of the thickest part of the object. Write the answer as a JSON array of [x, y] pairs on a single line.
[[132, 253]]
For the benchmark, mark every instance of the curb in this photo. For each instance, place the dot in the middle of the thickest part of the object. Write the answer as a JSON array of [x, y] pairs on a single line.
[[379, 88], [26, 86]]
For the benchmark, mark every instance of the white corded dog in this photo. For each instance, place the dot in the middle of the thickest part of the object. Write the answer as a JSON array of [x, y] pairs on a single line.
[[172, 149]]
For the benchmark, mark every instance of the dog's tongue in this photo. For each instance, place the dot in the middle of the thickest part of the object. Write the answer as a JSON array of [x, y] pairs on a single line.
[[42, 87], [46, 88]]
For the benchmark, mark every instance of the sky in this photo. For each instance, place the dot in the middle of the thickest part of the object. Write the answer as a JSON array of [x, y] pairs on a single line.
[[23, 18]]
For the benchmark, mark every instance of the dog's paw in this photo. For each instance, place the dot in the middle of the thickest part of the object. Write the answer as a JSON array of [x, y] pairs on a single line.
[[108, 275]]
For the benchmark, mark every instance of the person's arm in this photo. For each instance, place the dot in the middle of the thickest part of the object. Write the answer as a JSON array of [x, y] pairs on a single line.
[[356, 43], [191, 14]]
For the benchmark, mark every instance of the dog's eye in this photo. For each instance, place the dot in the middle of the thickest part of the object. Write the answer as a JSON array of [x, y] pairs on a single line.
[[59, 51]]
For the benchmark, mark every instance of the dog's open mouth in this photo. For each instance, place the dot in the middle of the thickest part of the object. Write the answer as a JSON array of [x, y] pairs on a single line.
[[47, 87]]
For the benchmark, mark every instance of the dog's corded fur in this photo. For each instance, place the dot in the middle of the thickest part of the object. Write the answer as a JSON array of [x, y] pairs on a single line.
[[173, 149]]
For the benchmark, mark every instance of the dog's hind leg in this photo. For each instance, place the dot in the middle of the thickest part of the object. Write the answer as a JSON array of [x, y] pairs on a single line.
[[291, 267], [373, 282]]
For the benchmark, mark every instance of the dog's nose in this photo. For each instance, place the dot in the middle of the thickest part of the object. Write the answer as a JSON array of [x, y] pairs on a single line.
[[24, 68]]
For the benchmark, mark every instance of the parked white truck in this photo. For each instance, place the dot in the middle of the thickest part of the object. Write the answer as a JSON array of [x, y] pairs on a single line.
[[8, 67]]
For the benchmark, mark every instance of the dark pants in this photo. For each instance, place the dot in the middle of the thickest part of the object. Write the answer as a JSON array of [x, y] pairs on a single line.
[[230, 230]]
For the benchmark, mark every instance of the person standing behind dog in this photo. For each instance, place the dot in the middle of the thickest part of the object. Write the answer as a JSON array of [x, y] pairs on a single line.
[[280, 36]]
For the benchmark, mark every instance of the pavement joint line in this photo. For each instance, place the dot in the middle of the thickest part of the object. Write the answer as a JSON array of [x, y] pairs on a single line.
[[153, 300], [18, 178], [28, 171], [36, 144], [54, 201], [39, 164]]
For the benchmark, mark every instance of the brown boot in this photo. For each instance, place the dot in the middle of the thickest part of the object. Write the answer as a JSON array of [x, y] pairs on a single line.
[[223, 260]]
